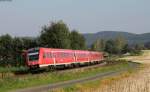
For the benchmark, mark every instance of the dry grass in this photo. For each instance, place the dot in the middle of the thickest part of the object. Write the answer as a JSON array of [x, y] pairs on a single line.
[[138, 82], [134, 83], [144, 58]]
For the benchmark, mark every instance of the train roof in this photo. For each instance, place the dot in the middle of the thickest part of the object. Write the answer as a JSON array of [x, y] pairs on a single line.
[[56, 49]]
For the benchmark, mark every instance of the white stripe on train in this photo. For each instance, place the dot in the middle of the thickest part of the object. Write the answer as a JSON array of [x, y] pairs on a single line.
[[55, 64]]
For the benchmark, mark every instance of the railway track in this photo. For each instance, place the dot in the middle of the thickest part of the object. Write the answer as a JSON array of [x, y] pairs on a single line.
[[62, 70], [47, 88], [20, 75]]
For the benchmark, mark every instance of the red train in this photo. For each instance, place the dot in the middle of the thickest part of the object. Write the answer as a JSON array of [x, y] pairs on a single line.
[[42, 57]]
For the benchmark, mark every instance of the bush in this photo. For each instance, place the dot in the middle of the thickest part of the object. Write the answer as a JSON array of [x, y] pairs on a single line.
[[136, 52]]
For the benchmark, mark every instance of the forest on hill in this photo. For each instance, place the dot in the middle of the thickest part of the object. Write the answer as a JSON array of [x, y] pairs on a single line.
[[131, 38]]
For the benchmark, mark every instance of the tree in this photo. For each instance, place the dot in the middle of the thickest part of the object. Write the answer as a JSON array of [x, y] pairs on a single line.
[[29, 42], [147, 45], [126, 49], [120, 43], [110, 47], [55, 35], [139, 46], [77, 41], [5, 49], [98, 45], [17, 44], [17, 50]]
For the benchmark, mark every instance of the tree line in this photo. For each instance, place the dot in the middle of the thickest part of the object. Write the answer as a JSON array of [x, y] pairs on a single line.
[[118, 46], [57, 35]]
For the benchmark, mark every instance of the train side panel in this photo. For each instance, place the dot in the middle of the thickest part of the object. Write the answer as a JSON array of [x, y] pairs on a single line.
[[51, 57], [96, 56], [46, 57], [64, 56], [82, 56]]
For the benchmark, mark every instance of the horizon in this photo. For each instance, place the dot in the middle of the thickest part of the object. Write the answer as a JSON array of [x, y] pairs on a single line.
[[117, 31], [81, 33]]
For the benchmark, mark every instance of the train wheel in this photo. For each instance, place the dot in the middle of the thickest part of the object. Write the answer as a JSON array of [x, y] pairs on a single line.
[[51, 68], [77, 65]]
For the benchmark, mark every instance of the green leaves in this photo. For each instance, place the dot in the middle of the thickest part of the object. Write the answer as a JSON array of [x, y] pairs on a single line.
[[112, 46], [99, 45], [77, 41], [58, 35], [55, 35]]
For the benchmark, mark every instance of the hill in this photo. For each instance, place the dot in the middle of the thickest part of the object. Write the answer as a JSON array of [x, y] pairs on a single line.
[[130, 37]]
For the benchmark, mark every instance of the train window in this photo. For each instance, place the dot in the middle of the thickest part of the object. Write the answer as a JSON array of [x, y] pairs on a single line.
[[47, 55], [44, 55], [65, 54], [81, 55], [50, 56], [61, 55], [54, 55], [33, 57]]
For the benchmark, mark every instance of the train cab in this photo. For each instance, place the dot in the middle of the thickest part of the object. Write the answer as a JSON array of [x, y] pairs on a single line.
[[33, 58]]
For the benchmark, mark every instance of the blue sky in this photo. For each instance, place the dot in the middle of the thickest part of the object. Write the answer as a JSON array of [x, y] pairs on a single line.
[[26, 17]]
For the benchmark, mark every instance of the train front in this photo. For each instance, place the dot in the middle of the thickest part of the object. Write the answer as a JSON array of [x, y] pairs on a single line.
[[33, 58]]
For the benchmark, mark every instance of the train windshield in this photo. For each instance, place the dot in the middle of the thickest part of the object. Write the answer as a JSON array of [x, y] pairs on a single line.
[[33, 55]]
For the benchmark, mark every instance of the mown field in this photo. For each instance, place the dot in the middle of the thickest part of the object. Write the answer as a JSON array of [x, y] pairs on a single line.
[[13, 83]]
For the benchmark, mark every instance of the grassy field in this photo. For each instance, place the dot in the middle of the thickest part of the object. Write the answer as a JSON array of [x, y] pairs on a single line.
[[12, 83], [10, 72]]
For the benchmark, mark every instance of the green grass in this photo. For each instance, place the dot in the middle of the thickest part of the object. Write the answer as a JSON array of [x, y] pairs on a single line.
[[13, 69], [9, 83]]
